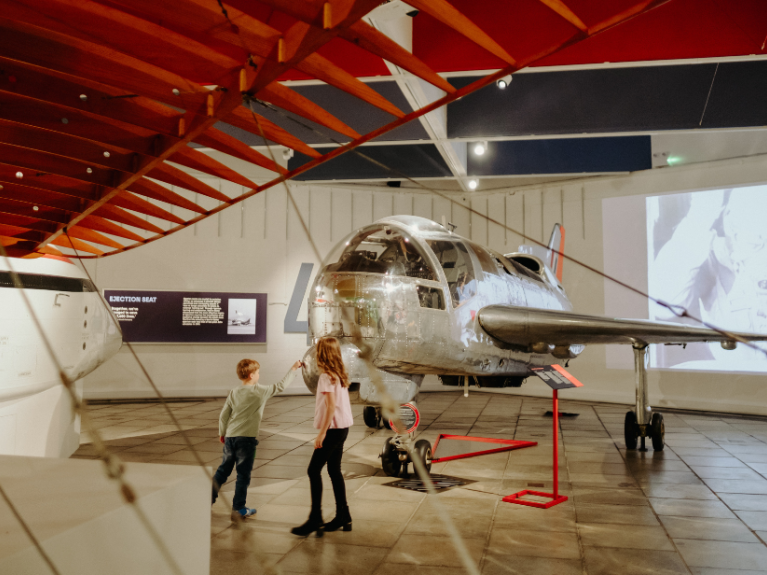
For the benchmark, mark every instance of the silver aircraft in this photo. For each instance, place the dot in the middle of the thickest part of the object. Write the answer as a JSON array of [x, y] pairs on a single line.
[[423, 300]]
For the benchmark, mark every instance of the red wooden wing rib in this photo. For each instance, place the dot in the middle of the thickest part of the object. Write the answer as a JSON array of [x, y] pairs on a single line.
[[198, 161], [255, 124], [133, 202], [450, 16], [176, 177], [104, 225], [78, 245], [323, 69], [91, 236], [116, 214], [365, 36], [150, 189], [213, 138], [563, 10], [292, 101]]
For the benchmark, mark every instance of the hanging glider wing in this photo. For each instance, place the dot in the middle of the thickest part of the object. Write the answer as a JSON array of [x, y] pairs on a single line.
[[102, 101]]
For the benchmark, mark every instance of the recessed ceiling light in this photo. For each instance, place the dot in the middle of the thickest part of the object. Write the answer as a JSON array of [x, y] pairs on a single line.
[[473, 184]]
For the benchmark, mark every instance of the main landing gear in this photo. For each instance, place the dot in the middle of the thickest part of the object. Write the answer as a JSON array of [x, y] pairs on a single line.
[[642, 423]]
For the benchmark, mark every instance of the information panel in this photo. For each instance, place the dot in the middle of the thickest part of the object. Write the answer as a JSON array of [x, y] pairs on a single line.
[[189, 317], [556, 376]]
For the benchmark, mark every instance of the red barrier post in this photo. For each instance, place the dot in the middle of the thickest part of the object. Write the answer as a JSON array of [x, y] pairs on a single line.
[[556, 445]]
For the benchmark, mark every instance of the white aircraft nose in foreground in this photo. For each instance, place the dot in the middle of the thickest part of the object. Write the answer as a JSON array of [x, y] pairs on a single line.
[[424, 300], [35, 411]]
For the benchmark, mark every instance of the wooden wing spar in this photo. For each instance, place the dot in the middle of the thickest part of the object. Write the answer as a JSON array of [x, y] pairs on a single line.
[[102, 103]]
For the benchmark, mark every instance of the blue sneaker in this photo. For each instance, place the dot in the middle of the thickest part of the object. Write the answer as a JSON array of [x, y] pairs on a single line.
[[243, 513]]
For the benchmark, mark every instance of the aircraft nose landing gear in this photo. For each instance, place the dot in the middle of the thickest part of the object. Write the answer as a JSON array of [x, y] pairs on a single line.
[[640, 424], [397, 452]]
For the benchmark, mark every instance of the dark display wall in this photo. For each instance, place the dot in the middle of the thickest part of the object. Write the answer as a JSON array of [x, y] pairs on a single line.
[[189, 317]]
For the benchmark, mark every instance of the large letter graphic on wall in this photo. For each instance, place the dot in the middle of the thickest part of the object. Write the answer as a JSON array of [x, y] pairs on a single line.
[[292, 325]]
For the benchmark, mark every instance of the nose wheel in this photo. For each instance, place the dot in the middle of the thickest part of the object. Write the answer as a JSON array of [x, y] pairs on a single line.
[[395, 456], [655, 430]]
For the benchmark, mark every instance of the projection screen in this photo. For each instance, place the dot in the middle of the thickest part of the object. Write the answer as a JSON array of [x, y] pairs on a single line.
[[707, 252]]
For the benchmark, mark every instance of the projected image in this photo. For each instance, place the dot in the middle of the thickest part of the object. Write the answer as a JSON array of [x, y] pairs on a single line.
[[242, 316], [707, 252]]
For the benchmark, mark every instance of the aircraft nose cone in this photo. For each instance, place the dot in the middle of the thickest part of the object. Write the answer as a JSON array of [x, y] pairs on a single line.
[[310, 371]]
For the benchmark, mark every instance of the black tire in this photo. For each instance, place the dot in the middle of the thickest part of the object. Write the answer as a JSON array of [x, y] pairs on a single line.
[[390, 459], [371, 416], [630, 430], [422, 450], [658, 431], [386, 423]]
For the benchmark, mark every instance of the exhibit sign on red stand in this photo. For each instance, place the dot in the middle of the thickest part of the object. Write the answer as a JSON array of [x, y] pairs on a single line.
[[556, 377]]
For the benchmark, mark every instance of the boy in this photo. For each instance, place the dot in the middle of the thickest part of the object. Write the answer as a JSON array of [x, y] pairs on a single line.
[[238, 427]]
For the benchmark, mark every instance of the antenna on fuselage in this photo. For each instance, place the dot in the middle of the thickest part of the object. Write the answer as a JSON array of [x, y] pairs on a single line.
[[445, 225]]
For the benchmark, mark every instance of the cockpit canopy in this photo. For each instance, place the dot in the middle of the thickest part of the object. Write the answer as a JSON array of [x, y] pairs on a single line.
[[384, 250]]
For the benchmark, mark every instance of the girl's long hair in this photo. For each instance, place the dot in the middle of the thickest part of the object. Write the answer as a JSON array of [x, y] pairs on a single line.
[[330, 361]]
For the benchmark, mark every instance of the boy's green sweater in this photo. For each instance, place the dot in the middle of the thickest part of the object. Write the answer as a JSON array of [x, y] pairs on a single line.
[[244, 408]]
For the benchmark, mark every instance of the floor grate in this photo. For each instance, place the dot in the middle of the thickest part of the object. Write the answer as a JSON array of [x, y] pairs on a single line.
[[441, 483]]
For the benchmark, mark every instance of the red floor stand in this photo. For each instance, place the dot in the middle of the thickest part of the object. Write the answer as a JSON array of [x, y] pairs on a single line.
[[555, 497]]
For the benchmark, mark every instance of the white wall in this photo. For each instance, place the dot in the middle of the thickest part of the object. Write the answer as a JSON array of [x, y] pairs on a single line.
[[259, 245]]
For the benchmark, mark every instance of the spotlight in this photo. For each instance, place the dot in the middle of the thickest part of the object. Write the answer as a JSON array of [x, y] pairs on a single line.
[[503, 82], [473, 184], [287, 153], [480, 148]]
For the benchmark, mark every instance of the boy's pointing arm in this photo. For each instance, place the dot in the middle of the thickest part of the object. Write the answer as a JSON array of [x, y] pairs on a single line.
[[285, 381]]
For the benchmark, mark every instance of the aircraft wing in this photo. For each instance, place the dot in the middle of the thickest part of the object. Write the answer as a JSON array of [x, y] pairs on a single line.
[[525, 326]]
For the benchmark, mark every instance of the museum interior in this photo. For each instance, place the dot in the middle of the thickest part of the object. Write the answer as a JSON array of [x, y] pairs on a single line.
[[513, 254]]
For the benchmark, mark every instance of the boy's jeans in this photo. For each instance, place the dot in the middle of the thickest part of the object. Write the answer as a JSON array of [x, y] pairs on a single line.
[[239, 451]]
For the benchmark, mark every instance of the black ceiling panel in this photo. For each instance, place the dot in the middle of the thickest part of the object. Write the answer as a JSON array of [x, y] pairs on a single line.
[[355, 113], [614, 100], [738, 96], [563, 156], [414, 161]]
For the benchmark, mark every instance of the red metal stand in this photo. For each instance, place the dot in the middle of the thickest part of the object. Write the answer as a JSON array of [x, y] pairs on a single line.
[[555, 497]]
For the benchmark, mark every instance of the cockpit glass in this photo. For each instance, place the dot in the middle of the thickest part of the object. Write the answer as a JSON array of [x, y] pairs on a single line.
[[485, 261], [384, 250], [456, 263]]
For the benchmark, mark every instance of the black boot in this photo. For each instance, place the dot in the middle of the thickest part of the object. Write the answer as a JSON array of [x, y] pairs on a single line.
[[314, 523], [342, 520]]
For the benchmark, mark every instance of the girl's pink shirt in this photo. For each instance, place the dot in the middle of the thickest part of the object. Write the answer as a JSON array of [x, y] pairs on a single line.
[[342, 417]]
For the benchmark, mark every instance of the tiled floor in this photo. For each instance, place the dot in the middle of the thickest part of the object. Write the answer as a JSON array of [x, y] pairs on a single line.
[[698, 507]]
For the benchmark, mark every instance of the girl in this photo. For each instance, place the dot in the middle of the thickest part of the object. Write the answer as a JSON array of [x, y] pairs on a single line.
[[333, 418]]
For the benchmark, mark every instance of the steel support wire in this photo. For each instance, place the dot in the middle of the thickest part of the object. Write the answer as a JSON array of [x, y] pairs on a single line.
[[113, 466]]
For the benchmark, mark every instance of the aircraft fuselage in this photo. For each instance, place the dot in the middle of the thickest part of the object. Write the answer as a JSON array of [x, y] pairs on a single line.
[[35, 412], [409, 290]]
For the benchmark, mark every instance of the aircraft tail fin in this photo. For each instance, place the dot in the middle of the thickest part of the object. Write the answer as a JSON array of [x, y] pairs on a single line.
[[556, 247]]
